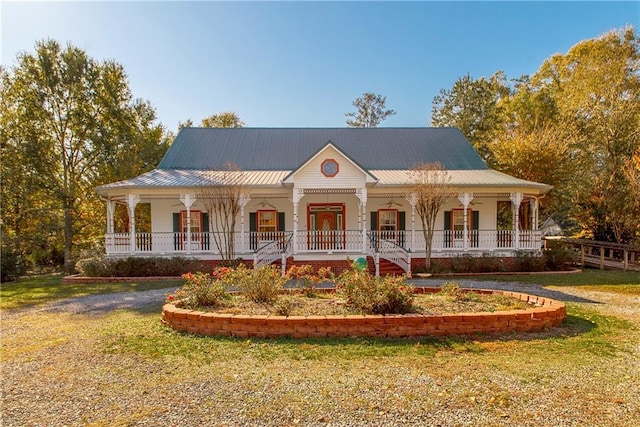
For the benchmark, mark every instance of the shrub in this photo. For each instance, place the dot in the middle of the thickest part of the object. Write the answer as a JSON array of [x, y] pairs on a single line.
[[200, 290], [12, 265], [490, 264], [261, 285], [454, 291], [451, 289], [528, 261], [375, 295], [558, 256], [284, 305], [305, 278], [464, 263], [137, 267]]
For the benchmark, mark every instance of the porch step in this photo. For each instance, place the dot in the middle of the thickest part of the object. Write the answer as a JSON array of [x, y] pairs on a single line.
[[387, 268]]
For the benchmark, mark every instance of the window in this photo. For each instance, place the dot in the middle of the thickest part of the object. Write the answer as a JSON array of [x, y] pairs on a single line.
[[457, 226], [388, 223], [196, 226], [457, 220], [330, 168], [267, 224]]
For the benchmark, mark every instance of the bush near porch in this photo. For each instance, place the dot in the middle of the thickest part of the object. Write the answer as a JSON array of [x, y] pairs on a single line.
[[138, 267], [554, 258]]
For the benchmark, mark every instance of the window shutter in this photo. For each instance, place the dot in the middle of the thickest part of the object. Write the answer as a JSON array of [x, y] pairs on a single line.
[[475, 225], [205, 231], [253, 243], [176, 230], [447, 229], [402, 219], [374, 227], [281, 226], [205, 222]]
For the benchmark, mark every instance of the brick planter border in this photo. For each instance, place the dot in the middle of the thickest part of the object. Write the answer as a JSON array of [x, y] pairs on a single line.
[[543, 314]]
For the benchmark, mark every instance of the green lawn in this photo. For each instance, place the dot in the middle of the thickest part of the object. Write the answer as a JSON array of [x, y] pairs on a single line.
[[36, 290], [588, 277]]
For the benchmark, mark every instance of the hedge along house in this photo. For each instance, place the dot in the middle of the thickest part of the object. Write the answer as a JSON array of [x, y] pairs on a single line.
[[321, 196]]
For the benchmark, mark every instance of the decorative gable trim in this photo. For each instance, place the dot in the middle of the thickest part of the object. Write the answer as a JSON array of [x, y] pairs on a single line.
[[369, 177]]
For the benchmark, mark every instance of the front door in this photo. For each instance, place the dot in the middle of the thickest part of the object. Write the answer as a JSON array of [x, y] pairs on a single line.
[[326, 227]]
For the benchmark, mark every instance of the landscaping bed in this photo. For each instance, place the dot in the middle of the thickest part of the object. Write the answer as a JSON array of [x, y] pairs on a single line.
[[125, 368]]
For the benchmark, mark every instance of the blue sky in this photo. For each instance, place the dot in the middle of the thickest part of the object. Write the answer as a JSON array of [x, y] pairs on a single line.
[[301, 64]]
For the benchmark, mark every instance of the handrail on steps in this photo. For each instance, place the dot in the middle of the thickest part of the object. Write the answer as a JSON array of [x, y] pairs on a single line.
[[279, 248], [389, 250]]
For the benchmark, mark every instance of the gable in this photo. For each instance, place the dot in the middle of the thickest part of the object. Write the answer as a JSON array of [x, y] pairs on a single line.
[[329, 167], [288, 148]]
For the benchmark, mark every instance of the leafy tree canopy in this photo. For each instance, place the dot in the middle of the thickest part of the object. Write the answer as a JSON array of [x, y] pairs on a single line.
[[371, 110], [574, 124], [69, 123]]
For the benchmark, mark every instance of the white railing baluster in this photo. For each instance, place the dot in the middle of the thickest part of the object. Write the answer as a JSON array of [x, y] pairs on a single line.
[[335, 241]]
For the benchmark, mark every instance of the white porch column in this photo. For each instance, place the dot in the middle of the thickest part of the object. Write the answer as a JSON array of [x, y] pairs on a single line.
[[298, 194], [109, 238], [361, 193], [516, 200], [412, 198], [534, 213], [465, 199], [111, 207], [132, 201], [188, 200], [244, 199]]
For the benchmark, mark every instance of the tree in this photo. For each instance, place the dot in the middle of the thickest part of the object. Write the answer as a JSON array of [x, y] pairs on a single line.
[[596, 90], [221, 193], [473, 106], [430, 189], [30, 226], [371, 111], [541, 154], [186, 124], [573, 124], [226, 119], [74, 122]]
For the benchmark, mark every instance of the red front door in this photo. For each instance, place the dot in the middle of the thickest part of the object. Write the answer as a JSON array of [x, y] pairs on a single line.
[[326, 226]]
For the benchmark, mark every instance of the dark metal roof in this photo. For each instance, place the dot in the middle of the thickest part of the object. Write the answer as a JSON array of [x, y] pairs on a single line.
[[288, 148]]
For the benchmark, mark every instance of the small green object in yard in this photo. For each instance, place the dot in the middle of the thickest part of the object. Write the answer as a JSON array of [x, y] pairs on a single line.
[[360, 264]]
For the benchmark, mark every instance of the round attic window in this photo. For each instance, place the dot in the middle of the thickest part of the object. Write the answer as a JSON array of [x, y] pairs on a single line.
[[329, 168]]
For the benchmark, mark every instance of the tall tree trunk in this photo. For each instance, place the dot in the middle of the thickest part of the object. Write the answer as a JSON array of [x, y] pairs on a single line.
[[68, 239]]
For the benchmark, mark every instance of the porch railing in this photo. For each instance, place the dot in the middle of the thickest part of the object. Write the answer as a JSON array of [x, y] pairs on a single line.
[[388, 249], [337, 241], [273, 251], [329, 241]]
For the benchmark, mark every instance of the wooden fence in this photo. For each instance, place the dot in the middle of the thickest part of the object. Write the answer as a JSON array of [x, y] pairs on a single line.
[[606, 255]]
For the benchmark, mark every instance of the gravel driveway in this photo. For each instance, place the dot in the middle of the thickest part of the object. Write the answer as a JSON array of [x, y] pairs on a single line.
[[67, 364], [101, 304]]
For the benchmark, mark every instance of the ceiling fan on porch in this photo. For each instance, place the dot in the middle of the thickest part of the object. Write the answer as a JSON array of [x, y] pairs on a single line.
[[390, 203], [264, 203], [472, 203]]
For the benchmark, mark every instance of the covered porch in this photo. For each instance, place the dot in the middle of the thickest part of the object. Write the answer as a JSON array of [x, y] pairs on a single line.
[[331, 223]]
